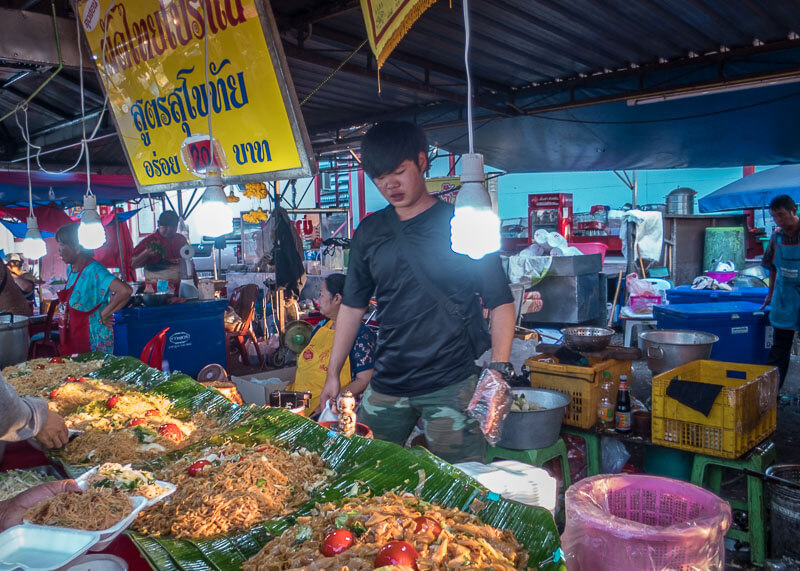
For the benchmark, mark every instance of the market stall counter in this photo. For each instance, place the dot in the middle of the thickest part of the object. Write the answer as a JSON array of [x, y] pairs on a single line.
[[196, 335]]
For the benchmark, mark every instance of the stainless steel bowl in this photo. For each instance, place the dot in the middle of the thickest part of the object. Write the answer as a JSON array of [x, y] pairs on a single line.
[[528, 430], [667, 349], [587, 338]]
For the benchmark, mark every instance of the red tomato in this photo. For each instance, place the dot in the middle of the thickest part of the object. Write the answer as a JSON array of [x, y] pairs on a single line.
[[136, 422], [40, 367], [112, 402], [152, 412], [56, 360], [196, 467], [337, 541], [400, 553], [81, 379], [72, 379], [170, 431], [53, 393], [426, 523]]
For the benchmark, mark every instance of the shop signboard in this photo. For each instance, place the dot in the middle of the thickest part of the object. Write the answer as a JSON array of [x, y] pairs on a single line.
[[151, 60]]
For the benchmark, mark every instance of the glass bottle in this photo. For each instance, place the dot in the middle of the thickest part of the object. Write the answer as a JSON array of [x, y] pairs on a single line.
[[623, 410], [605, 408]]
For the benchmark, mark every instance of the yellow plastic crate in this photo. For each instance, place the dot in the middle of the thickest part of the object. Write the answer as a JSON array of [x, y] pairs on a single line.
[[581, 384], [744, 413]]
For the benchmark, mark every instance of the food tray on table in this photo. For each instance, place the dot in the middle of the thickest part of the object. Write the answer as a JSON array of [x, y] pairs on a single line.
[[743, 414], [83, 483], [359, 466]]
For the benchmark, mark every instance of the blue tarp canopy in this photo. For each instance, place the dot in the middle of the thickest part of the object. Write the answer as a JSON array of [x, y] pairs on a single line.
[[67, 188], [754, 191], [18, 229]]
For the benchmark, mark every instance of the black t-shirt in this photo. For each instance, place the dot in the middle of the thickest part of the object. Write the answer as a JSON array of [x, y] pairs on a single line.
[[421, 348]]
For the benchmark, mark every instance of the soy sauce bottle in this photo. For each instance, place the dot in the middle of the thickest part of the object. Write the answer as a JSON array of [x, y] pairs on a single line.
[[623, 410]]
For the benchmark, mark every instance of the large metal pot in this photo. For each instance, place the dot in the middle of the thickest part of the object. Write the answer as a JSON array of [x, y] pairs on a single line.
[[681, 201], [537, 428], [14, 339], [669, 348]]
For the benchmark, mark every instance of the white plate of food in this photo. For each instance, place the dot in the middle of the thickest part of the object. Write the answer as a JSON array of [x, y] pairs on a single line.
[[104, 511], [125, 478]]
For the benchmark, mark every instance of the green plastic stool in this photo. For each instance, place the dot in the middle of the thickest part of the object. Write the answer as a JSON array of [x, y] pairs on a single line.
[[535, 457], [709, 469], [592, 440]]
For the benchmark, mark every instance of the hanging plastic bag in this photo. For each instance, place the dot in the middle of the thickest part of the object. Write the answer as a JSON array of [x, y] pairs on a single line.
[[490, 404]]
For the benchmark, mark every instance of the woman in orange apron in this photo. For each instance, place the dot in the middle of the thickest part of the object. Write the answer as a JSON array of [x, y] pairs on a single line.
[[312, 362], [89, 300]]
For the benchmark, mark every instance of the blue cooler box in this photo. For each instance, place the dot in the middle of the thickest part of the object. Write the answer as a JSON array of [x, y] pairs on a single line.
[[745, 335], [196, 335], [685, 294]]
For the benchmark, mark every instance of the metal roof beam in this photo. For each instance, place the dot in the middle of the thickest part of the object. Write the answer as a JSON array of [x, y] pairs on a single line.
[[67, 83], [399, 56], [28, 37], [36, 103], [324, 12], [315, 58]]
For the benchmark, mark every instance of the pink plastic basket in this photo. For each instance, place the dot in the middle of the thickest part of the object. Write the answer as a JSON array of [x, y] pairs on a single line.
[[640, 522], [592, 248], [644, 303]]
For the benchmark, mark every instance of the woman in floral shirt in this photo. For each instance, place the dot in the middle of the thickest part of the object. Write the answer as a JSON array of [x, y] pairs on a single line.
[[89, 300], [312, 362]]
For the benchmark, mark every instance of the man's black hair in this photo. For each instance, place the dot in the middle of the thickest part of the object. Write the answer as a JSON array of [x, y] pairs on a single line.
[[168, 218], [390, 143], [783, 201]]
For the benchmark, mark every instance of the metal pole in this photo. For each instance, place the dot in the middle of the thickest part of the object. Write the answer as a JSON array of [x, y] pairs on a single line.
[[635, 188], [122, 269]]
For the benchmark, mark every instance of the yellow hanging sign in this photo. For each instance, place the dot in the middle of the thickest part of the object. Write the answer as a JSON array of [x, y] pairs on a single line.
[[388, 21], [150, 56]]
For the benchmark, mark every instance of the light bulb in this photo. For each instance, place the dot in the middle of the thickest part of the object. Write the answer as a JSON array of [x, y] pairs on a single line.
[[91, 234], [33, 246], [214, 216], [475, 228]]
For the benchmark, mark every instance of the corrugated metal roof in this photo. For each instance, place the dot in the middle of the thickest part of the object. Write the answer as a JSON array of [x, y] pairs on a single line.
[[525, 54]]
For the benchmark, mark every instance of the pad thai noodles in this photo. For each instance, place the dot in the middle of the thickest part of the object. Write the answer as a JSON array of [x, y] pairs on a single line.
[[232, 488], [93, 510], [36, 377], [400, 530]]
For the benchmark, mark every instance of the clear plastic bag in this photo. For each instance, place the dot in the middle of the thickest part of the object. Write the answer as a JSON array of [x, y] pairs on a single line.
[[490, 404]]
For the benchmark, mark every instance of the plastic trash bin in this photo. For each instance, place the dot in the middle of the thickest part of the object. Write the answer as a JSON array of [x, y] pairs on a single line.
[[195, 339], [745, 335]]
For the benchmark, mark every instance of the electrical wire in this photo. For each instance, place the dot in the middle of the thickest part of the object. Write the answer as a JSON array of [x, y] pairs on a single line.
[[28, 165], [469, 77], [207, 87]]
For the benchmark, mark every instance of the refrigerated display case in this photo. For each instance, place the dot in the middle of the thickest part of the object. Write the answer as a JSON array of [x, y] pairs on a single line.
[[551, 212]]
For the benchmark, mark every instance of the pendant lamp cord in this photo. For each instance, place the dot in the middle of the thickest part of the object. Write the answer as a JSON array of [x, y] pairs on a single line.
[[469, 78], [208, 87]]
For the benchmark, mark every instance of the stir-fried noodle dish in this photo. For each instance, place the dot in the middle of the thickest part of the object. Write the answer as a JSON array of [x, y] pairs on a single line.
[[93, 510], [390, 530], [232, 488]]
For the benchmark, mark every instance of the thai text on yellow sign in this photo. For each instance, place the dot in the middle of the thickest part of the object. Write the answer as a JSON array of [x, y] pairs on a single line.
[[151, 58]]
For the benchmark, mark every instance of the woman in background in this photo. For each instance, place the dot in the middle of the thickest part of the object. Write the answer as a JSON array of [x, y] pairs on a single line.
[[312, 362], [90, 298]]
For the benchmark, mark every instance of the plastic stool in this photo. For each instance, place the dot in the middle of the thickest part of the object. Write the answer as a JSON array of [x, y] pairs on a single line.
[[758, 460], [535, 457], [638, 323], [592, 441]]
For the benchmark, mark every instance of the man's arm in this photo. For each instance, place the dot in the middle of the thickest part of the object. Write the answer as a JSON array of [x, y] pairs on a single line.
[[503, 319], [348, 322], [768, 299]]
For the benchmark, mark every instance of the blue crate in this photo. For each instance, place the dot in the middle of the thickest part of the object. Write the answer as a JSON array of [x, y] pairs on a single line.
[[685, 294], [195, 339], [745, 335]]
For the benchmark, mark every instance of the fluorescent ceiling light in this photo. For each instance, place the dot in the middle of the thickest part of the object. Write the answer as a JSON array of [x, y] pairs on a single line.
[[700, 91]]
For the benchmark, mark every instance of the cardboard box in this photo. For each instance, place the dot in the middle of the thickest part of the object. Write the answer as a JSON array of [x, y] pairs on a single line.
[[256, 388]]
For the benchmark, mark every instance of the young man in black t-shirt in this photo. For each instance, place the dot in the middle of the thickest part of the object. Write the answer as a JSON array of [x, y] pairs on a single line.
[[424, 363]]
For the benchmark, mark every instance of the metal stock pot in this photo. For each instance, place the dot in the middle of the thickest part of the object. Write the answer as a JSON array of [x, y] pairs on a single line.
[[666, 349], [14, 339]]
